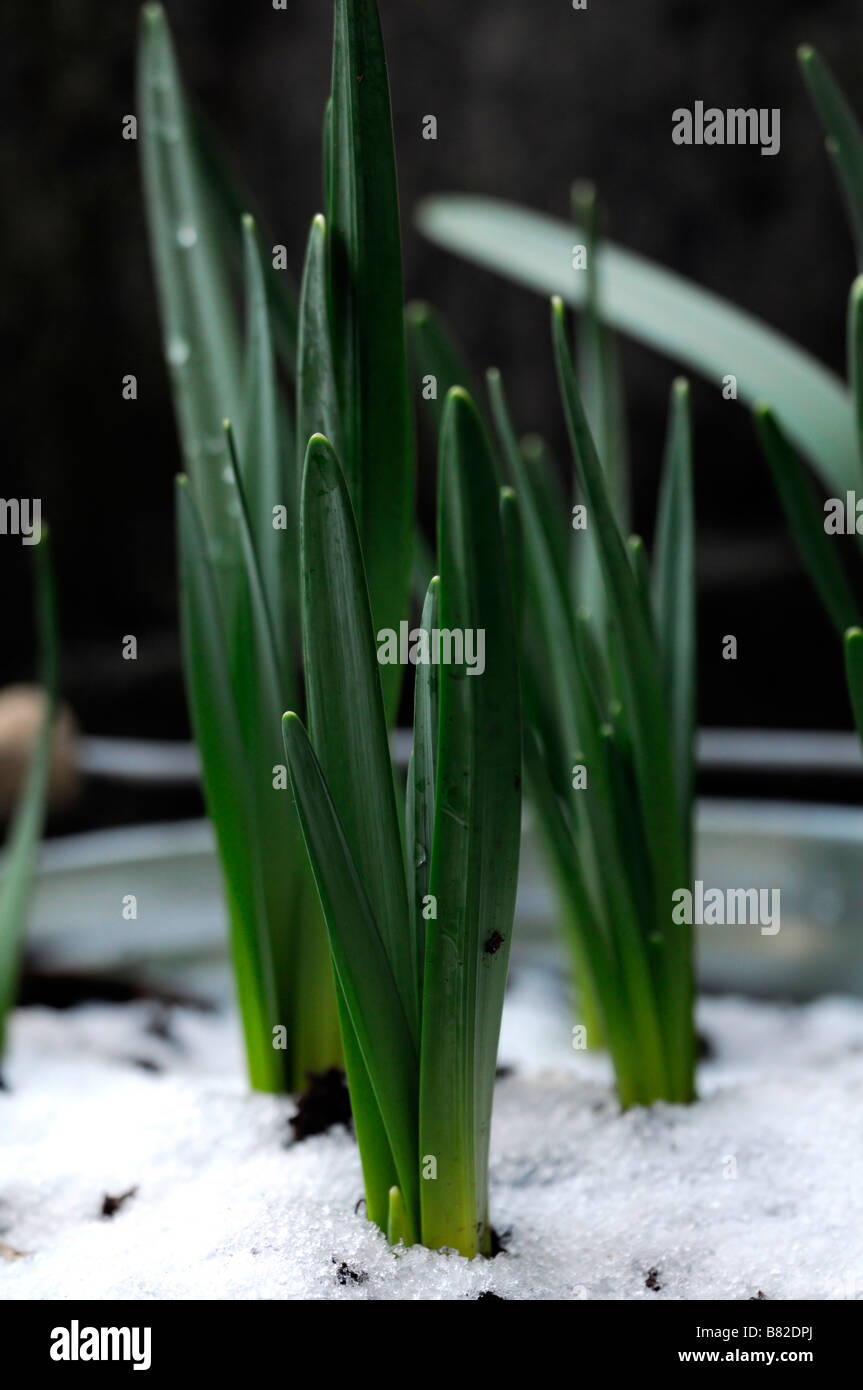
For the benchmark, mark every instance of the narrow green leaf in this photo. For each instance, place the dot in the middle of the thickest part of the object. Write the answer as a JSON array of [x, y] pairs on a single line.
[[602, 392], [593, 955], [201, 333], [317, 395], [635, 549], [228, 201], [805, 519], [376, 1155], [638, 974], [20, 859], [648, 720], [598, 361], [844, 136], [269, 482], [513, 543], [328, 153], [854, 672], [855, 357], [674, 597], [571, 732], [229, 792], [476, 841], [397, 1230], [435, 354], [554, 510], [554, 673], [367, 307], [543, 574], [420, 801], [260, 690], [346, 714], [594, 660], [670, 314], [370, 991]]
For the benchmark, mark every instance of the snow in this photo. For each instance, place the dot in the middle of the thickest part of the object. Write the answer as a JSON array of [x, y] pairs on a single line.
[[757, 1188]]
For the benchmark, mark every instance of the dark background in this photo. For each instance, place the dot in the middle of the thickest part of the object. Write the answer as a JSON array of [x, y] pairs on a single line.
[[529, 95]]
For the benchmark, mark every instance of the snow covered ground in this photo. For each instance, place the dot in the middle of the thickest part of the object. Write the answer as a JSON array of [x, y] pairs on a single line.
[[757, 1190]]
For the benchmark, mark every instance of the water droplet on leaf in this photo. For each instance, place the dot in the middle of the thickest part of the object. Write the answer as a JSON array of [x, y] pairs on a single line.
[[177, 351]]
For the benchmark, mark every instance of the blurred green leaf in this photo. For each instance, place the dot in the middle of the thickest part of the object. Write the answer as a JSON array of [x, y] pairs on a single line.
[[268, 477], [672, 315], [200, 328], [844, 137], [674, 597], [855, 358], [435, 353], [854, 672], [229, 792], [805, 518], [648, 721]]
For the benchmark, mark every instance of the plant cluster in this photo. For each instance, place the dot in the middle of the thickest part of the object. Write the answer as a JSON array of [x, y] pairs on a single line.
[[339, 356], [607, 662], [798, 404], [371, 922]]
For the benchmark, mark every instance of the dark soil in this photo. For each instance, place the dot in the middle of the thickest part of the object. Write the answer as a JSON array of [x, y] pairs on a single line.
[[111, 1205], [325, 1102], [67, 989], [500, 1241]]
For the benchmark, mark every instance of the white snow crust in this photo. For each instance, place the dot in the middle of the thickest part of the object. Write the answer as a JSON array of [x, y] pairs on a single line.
[[757, 1188]]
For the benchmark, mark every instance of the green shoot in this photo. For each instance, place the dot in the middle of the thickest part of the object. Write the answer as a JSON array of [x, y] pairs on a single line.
[[609, 702], [419, 919], [238, 505]]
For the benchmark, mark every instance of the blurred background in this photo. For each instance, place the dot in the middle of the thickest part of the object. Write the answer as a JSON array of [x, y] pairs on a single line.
[[529, 95]]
